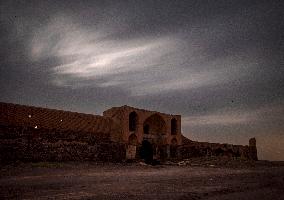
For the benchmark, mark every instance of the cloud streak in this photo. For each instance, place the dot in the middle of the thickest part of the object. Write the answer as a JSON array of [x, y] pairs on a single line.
[[231, 117], [149, 65]]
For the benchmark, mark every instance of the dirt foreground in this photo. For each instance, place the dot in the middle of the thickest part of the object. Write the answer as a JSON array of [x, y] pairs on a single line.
[[137, 181]]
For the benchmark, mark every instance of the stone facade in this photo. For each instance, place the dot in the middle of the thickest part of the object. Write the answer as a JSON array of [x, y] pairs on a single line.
[[39, 134], [162, 131]]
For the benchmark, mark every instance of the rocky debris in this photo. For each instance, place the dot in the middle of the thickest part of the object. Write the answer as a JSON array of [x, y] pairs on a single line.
[[216, 161]]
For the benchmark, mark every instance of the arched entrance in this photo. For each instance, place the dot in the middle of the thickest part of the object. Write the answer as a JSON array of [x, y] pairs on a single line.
[[146, 151], [154, 128]]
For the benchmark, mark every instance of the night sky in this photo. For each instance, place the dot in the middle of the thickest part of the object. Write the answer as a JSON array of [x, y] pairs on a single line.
[[219, 64]]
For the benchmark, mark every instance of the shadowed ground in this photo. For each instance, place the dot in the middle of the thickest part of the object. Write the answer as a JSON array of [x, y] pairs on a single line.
[[135, 181]]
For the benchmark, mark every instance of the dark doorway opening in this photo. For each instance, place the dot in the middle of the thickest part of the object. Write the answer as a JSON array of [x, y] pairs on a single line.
[[146, 152], [146, 129]]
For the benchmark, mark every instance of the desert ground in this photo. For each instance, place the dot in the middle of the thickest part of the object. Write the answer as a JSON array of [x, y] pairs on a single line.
[[71, 180]]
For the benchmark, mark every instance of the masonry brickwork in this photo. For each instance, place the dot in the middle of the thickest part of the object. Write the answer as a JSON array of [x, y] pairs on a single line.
[[30, 133]]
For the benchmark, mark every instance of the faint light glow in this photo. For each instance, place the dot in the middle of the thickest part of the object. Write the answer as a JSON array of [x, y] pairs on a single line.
[[29, 116], [143, 65], [219, 118], [36, 127]]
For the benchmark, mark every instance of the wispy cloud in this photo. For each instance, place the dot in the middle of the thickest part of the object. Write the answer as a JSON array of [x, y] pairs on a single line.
[[92, 53], [217, 119], [227, 117], [143, 65]]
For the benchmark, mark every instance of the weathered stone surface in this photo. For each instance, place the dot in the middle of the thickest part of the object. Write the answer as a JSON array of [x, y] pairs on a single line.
[[153, 126], [193, 149], [47, 145], [43, 118], [39, 134]]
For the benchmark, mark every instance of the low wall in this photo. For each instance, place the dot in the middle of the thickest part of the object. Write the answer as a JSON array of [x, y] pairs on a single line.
[[30, 144], [199, 149]]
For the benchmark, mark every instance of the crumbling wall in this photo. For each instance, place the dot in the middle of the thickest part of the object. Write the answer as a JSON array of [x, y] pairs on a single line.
[[29, 144], [39, 134], [199, 149], [252, 149]]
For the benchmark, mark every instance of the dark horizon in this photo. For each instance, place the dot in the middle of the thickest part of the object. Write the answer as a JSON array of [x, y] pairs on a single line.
[[217, 64]]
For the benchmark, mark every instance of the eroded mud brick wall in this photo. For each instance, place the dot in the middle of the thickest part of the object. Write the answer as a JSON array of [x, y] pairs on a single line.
[[39, 134], [191, 149], [252, 149]]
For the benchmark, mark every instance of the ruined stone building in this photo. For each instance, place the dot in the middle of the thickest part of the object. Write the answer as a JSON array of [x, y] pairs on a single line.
[[39, 134]]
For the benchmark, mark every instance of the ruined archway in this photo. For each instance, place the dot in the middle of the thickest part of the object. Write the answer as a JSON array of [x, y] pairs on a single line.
[[154, 125], [133, 121]]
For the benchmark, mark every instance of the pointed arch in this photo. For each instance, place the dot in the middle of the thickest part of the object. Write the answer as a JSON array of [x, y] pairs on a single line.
[[155, 125]]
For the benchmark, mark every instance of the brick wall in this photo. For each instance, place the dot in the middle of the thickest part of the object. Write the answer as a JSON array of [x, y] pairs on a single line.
[[198, 149], [29, 144]]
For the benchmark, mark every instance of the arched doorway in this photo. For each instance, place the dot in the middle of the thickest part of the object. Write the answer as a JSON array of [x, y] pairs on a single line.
[[154, 128], [146, 152], [133, 121]]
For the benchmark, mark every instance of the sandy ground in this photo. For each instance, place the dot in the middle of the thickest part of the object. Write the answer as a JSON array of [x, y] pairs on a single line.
[[135, 181]]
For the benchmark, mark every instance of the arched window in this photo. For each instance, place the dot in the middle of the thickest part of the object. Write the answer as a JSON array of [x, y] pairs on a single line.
[[133, 121], [154, 125], [173, 126]]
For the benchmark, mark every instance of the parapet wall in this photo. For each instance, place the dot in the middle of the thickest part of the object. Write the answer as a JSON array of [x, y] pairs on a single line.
[[44, 118]]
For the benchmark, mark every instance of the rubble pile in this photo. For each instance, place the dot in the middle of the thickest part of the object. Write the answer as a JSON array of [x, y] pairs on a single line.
[[217, 161]]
